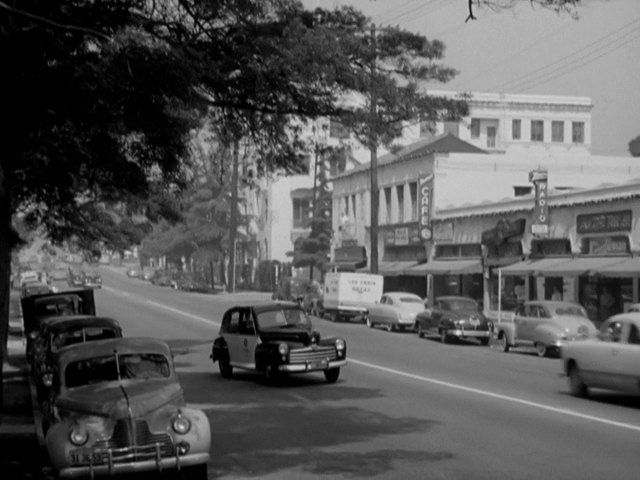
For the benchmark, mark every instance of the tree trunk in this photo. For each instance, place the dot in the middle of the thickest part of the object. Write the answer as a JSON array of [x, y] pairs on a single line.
[[6, 244]]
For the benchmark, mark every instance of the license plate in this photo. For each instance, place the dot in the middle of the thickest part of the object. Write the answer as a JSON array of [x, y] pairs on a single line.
[[322, 364], [85, 456]]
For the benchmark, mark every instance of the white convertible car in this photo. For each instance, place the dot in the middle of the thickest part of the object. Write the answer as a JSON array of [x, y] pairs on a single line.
[[611, 361]]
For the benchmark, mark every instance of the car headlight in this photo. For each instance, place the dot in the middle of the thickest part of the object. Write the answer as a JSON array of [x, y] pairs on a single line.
[[283, 349], [78, 435], [340, 345], [180, 424]]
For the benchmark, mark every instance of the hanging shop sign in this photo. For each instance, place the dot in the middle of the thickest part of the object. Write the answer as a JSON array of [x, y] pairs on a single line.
[[401, 235], [425, 185], [540, 225], [442, 231], [605, 222]]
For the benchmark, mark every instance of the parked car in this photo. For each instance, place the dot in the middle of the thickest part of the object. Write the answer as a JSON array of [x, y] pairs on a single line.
[[163, 278], [116, 407], [545, 325], [275, 339], [610, 361], [455, 317], [75, 277], [148, 273], [38, 307], [395, 311], [34, 288], [60, 332], [191, 283], [92, 279], [133, 271]]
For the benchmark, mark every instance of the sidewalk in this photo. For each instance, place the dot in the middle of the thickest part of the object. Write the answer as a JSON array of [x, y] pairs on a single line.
[[21, 456]]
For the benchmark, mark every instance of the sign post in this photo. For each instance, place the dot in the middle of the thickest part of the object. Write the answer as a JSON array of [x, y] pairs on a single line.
[[540, 225]]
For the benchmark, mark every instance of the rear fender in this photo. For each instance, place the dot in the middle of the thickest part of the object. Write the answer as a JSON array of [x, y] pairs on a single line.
[[546, 334]]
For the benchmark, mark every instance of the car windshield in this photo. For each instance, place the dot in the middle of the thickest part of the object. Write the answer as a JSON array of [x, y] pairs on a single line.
[[105, 369], [460, 304], [570, 310], [283, 318]]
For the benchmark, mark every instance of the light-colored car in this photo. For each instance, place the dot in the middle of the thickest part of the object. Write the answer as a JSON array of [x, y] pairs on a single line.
[[546, 325], [395, 311], [116, 407], [609, 361]]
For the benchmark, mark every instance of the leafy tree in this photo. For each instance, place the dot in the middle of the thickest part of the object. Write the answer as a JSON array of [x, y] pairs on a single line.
[[567, 6], [634, 147], [313, 251]]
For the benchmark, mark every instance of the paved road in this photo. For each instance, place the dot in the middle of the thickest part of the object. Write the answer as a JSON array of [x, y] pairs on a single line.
[[404, 407]]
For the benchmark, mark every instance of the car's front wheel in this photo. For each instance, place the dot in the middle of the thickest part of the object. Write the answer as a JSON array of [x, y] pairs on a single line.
[[332, 375], [541, 349], [576, 385]]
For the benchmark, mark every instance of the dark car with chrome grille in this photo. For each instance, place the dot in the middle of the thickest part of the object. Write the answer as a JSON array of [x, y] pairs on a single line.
[[454, 318], [276, 339], [116, 407]]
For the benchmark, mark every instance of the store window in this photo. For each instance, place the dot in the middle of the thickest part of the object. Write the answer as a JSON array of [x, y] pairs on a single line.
[[475, 128], [577, 132], [604, 297], [301, 212], [537, 131], [516, 127], [557, 131], [512, 292]]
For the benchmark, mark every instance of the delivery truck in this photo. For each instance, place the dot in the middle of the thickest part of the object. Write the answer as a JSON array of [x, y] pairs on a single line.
[[347, 296]]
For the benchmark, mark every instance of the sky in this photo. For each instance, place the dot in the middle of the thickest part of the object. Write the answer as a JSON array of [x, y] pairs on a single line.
[[530, 50]]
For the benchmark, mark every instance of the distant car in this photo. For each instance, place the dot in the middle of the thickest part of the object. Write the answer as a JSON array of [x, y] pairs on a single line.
[[75, 278], [59, 273], [191, 283], [163, 278], [276, 339], [610, 361], [34, 288], [395, 311], [545, 325], [92, 279], [28, 276], [148, 273], [133, 272], [116, 407], [60, 332], [455, 317]]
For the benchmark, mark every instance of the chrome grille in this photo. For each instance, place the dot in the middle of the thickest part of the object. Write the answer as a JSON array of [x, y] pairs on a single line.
[[122, 446], [310, 354]]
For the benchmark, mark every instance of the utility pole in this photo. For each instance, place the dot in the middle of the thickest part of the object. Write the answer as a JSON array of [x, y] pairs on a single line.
[[373, 147], [233, 219]]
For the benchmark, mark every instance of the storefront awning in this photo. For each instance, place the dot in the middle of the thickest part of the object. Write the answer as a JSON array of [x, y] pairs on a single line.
[[581, 266], [621, 267], [446, 267], [395, 268], [533, 267]]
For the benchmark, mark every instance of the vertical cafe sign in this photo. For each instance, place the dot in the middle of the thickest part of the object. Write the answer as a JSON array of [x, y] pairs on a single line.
[[425, 185], [540, 225]]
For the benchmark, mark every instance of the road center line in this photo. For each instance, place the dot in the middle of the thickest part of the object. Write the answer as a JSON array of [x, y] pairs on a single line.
[[498, 396], [420, 378], [184, 314]]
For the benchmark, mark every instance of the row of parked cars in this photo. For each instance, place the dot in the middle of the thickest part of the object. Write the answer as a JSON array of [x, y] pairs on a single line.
[[186, 281], [109, 404]]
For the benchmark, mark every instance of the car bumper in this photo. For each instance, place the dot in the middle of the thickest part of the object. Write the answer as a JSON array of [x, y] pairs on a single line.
[[311, 366], [161, 464], [469, 333]]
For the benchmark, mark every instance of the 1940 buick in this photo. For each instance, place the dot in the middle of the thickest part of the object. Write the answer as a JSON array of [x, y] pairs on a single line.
[[116, 407]]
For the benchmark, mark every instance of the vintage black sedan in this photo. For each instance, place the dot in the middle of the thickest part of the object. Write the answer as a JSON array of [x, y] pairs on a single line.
[[455, 317], [116, 407], [276, 339]]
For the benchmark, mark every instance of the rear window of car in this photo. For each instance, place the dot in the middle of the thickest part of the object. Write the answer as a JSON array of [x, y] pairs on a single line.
[[410, 300], [570, 310], [454, 305]]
